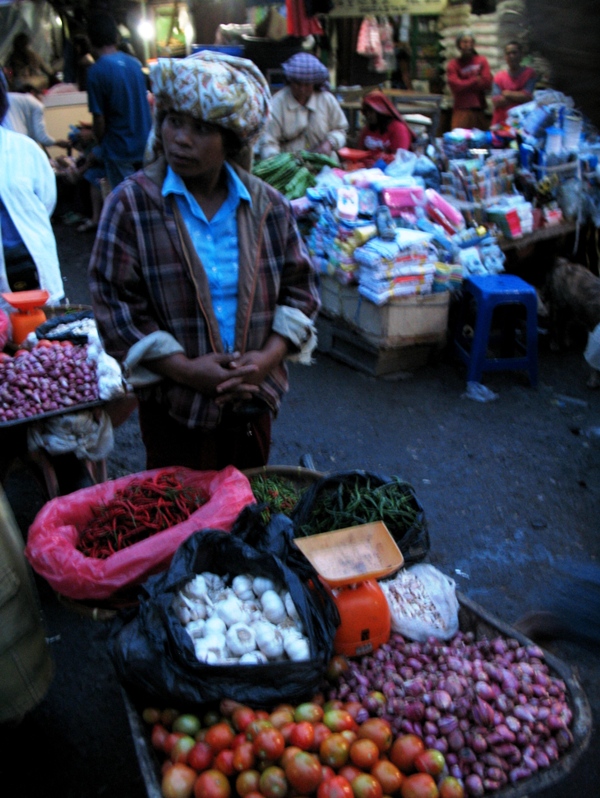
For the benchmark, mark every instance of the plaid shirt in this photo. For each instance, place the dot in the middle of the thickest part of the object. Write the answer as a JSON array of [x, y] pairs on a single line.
[[145, 276]]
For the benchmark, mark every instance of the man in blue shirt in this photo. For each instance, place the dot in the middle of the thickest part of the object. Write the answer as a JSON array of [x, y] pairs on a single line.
[[117, 100]]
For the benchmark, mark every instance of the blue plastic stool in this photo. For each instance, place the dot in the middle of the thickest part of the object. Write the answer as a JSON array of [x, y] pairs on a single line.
[[490, 291]]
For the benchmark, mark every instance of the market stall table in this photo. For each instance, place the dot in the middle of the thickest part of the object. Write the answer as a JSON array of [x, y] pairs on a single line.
[[542, 234]]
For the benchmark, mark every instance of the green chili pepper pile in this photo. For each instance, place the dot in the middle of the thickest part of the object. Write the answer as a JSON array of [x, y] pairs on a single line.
[[137, 511], [353, 503], [278, 493]]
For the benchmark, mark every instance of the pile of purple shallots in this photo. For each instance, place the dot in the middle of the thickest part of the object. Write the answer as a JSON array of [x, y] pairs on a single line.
[[491, 706], [49, 378]]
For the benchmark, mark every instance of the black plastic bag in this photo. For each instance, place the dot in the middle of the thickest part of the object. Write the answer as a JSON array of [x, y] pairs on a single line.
[[153, 654], [336, 490], [46, 330]]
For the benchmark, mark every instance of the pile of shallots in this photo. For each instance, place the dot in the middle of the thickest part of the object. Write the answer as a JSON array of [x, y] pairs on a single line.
[[491, 706], [50, 377]]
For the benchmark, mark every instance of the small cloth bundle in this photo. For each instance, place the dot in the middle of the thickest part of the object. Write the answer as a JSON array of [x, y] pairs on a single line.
[[422, 602]]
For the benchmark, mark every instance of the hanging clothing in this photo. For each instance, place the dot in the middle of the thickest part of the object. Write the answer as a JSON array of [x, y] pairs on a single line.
[[369, 40], [388, 50], [299, 23]]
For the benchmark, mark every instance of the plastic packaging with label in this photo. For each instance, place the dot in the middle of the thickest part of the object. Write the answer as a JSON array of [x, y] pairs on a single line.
[[347, 202], [452, 214]]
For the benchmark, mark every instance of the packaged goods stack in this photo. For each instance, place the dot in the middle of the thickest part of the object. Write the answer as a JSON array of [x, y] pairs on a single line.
[[390, 252], [404, 266], [478, 181]]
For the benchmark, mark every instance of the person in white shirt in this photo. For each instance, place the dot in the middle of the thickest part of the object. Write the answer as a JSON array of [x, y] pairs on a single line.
[[28, 255], [304, 114], [26, 115]]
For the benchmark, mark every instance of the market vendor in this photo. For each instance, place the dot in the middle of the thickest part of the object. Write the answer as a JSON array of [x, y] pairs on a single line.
[[469, 79], [201, 284], [513, 86], [304, 114], [385, 129], [28, 255]]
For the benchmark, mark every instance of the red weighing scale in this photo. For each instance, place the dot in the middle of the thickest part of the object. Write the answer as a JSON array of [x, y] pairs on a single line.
[[349, 562], [28, 312]]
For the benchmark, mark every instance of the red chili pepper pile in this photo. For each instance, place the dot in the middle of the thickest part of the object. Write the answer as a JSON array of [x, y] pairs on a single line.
[[137, 511]]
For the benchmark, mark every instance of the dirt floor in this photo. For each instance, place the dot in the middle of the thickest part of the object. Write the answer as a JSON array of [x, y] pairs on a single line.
[[511, 492]]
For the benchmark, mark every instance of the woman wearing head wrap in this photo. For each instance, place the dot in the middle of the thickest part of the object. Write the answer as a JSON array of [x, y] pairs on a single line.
[[304, 114], [469, 79], [28, 255], [385, 130], [200, 281]]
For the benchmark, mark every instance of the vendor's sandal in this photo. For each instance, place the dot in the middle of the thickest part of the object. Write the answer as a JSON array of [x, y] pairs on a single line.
[[72, 218], [87, 226]]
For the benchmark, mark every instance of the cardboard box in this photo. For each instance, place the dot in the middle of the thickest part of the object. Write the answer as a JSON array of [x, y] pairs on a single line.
[[331, 296], [403, 321]]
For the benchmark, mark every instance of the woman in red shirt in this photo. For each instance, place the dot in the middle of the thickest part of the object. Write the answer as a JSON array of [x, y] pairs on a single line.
[[386, 129]]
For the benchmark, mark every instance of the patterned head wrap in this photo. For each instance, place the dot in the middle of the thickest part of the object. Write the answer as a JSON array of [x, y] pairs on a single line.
[[222, 89], [306, 68]]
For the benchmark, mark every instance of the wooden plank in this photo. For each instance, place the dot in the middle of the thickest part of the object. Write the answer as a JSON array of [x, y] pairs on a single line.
[[543, 234]]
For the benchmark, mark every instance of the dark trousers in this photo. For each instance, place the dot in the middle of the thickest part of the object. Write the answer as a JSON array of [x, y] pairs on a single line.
[[238, 441], [21, 271]]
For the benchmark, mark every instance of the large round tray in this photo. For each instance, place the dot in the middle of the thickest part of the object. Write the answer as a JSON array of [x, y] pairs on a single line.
[[472, 618]]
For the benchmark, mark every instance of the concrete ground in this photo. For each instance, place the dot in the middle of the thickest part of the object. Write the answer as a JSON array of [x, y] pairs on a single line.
[[511, 492]]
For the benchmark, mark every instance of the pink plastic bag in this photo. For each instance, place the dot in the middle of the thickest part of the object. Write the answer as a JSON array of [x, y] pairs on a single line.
[[51, 542]]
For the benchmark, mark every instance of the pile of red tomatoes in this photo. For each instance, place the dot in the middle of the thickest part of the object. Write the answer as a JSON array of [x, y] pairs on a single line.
[[311, 749]]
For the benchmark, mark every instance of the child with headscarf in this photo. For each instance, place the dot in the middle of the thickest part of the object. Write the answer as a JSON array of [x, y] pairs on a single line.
[[201, 284], [304, 114], [385, 130]]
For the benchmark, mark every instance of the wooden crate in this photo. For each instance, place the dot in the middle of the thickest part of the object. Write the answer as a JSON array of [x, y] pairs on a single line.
[[340, 341]]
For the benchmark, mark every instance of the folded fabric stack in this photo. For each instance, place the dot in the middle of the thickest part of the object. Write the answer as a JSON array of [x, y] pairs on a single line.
[[447, 277], [396, 268]]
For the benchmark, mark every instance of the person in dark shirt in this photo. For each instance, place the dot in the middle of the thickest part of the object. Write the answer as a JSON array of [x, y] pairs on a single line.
[[117, 100]]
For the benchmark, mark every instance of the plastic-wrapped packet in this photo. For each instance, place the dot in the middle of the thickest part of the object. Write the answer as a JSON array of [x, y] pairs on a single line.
[[110, 377]]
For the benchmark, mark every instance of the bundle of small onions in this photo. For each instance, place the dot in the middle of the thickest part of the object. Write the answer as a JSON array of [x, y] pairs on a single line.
[[50, 377], [491, 706]]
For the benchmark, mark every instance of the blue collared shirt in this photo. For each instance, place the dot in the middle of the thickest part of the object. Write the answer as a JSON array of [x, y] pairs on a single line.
[[216, 243]]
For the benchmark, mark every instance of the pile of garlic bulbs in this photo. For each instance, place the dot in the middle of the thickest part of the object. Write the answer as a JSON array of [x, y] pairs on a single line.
[[245, 620]]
